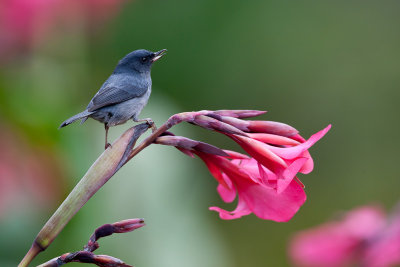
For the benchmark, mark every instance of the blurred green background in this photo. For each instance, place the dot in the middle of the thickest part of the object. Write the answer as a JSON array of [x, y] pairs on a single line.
[[308, 63]]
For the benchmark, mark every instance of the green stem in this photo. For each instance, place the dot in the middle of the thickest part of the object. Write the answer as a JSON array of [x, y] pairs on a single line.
[[33, 251]]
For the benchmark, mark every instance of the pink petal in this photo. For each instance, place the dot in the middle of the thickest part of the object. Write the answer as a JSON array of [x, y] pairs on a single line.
[[293, 152], [251, 168], [308, 165], [298, 138], [260, 151], [289, 173], [241, 210], [256, 171], [249, 164], [214, 169], [267, 204], [264, 175], [235, 155], [227, 194], [274, 139]]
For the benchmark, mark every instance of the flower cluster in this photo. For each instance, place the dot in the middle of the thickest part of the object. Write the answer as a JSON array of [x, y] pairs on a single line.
[[364, 237], [265, 180]]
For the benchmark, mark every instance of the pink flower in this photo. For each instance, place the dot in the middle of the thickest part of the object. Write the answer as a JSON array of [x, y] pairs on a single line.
[[265, 182], [363, 237]]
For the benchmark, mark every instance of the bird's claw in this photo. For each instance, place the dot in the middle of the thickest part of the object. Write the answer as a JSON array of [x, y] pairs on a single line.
[[107, 146], [151, 124]]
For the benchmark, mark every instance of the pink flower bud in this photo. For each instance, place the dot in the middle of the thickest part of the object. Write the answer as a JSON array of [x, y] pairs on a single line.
[[213, 124], [272, 127], [128, 225], [108, 261], [240, 113], [186, 144], [273, 139]]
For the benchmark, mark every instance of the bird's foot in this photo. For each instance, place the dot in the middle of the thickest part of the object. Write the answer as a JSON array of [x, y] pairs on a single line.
[[107, 146], [150, 122]]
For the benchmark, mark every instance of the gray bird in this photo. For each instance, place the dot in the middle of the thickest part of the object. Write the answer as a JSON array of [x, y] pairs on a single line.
[[124, 94]]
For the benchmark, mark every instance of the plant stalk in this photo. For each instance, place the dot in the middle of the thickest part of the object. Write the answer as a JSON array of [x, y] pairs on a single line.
[[97, 175]]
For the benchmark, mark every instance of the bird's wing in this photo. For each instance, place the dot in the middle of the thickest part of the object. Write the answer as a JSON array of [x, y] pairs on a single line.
[[111, 94]]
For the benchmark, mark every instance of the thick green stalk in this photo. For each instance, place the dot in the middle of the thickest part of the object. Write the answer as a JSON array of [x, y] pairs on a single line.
[[97, 175]]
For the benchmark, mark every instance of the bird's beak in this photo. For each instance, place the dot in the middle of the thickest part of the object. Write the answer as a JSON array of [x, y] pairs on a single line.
[[158, 55]]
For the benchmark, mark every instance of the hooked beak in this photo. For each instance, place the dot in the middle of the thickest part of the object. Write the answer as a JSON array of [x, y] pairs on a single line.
[[158, 55]]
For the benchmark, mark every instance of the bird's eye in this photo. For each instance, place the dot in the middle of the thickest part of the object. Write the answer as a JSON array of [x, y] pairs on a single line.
[[144, 59]]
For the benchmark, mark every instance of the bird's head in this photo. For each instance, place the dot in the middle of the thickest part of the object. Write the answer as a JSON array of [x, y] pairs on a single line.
[[140, 60]]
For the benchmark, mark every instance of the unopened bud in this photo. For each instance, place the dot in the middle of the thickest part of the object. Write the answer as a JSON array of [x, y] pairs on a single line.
[[272, 127], [213, 124], [108, 261], [185, 144], [240, 113], [235, 122], [127, 225]]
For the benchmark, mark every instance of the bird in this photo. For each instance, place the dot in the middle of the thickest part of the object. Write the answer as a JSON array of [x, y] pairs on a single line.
[[124, 94]]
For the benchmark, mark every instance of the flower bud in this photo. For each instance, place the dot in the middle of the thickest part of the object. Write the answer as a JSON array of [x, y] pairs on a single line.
[[213, 124], [127, 225], [240, 113], [186, 144]]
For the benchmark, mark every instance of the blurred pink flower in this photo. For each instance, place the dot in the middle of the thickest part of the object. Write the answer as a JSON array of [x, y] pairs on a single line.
[[25, 22], [383, 249], [363, 237]]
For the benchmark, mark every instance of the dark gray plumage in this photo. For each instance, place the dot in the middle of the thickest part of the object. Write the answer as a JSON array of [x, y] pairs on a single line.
[[124, 94]]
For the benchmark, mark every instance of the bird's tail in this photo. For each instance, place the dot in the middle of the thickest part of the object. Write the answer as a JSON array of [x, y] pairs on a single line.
[[83, 115]]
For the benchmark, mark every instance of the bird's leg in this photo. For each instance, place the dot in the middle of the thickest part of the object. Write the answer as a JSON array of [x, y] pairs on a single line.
[[107, 143], [150, 122]]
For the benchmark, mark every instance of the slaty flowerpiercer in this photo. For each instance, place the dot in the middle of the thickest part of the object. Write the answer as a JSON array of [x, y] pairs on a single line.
[[124, 94]]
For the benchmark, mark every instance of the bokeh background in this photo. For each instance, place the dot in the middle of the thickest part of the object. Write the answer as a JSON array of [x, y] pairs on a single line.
[[308, 63]]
